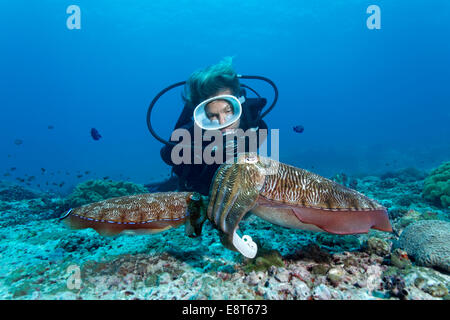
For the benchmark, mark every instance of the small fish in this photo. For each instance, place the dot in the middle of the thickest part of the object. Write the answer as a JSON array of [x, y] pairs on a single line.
[[50, 127], [105, 178], [95, 134], [79, 175], [7, 174], [61, 184], [43, 170], [38, 185], [13, 169], [87, 172], [299, 129], [18, 142], [9, 156]]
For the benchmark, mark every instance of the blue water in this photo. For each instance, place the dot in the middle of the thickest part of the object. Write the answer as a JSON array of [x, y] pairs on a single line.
[[370, 100]]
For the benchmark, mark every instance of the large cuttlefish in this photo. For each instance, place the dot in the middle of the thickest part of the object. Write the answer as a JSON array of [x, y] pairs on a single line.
[[281, 194]]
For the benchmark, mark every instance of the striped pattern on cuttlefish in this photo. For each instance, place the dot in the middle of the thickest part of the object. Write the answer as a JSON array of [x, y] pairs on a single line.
[[281, 194], [287, 196]]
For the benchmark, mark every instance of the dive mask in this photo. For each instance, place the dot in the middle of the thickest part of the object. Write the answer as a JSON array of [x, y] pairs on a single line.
[[202, 120]]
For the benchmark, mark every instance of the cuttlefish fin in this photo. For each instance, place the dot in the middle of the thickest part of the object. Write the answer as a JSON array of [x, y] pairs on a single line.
[[345, 221]]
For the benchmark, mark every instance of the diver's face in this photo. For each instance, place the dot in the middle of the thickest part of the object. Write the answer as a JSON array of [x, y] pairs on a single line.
[[221, 110]]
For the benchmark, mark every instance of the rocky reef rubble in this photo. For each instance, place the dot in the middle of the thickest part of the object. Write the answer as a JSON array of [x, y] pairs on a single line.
[[41, 256], [19, 205], [42, 259]]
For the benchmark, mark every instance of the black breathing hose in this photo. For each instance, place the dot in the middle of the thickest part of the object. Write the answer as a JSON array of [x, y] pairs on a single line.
[[155, 99], [150, 108]]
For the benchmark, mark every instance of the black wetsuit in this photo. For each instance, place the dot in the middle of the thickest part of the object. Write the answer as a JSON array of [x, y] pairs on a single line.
[[198, 177]]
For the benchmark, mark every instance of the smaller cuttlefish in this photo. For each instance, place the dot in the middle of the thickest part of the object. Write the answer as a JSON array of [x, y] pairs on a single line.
[[278, 193], [145, 213]]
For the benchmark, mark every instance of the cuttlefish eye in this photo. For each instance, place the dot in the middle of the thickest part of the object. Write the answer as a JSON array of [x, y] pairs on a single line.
[[195, 197]]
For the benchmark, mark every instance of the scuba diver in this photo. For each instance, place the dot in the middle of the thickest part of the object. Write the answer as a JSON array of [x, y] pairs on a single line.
[[214, 99]]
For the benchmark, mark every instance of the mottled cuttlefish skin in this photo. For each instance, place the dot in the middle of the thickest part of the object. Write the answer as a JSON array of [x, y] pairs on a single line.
[[142, 213], [290, 197]]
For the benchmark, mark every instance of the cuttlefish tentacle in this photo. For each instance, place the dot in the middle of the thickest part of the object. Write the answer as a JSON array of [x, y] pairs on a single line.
[[234, 192], [142, 213], [290, 197]]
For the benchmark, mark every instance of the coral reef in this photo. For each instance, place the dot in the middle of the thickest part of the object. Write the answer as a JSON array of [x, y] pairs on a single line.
[[430, 286], [396, 286], [400, 259], [378, 246], [404, 175], [264, 260], [37, 251], [20, 205], [428, 242], [98, 190], [335, 243], [173, 266], [311, 252], [413, 216], [17, 193], [79, 242], [436, 188], [335, 275]]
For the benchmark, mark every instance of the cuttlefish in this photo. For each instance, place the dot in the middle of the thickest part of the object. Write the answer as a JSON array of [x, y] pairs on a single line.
[[287, 196], [279, 193], [141, 214]]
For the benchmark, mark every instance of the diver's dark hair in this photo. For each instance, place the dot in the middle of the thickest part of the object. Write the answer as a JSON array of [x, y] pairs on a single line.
[[206, 82]]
